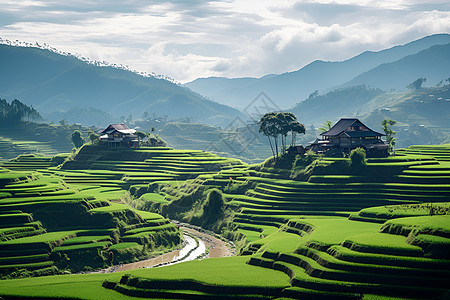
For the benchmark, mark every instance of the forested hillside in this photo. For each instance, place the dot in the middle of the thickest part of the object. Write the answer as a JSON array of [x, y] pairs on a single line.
[[52, 82]]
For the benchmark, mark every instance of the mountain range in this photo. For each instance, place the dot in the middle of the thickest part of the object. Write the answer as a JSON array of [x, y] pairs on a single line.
[[56, 85], [388, 69], [65, 87]]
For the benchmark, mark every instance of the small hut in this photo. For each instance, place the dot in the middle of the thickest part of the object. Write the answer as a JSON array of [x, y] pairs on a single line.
[[118, 135]]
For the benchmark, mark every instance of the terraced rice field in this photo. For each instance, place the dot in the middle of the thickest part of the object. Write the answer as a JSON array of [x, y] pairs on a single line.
[[47, 226], [382, 233], [11, 148], [305, 229], [91, 201], [273, 201]]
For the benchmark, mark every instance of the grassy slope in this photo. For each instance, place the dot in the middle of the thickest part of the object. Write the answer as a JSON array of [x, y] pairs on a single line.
[[211, 271]]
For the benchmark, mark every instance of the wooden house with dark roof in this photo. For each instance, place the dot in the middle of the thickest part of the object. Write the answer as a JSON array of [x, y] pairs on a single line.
[[116, 135], [348, 134]]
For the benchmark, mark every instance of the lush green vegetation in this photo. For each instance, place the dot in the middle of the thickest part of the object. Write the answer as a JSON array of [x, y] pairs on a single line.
[[48, 226], [304, 226]]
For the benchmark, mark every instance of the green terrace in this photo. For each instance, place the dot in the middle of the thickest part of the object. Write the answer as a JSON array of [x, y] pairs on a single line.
[[128, 167], [33, 162], [48, 226], [377, 232], [11, 148], [349, 258]]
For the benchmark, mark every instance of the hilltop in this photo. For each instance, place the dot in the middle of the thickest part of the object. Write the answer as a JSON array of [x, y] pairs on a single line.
[[289, 88], [55, 83]]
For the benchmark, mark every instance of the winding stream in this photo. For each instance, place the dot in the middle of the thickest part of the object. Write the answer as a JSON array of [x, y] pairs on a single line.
[[196, 244]]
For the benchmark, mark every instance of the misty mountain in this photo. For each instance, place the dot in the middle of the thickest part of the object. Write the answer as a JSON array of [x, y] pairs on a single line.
[[432, 64], [289, 88], [422, 115], [343, 102], [52, 82]]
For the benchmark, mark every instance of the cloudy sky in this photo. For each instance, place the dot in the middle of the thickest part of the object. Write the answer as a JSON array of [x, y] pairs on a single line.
[[234, 38]]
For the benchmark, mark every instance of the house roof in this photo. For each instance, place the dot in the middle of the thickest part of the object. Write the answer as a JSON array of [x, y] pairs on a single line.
[[356, 134], [343, 124], [122, 128]]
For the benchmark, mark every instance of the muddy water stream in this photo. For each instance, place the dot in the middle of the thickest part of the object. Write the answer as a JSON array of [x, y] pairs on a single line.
[[196, 244]]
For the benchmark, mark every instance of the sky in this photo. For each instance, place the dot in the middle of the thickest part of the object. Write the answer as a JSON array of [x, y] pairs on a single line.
[[234, 38]]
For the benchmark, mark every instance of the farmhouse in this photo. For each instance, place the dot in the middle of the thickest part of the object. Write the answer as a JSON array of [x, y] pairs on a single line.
[[348, 134], [116, 135]]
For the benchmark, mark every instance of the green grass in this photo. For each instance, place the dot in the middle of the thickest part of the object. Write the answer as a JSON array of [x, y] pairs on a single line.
[[113, 207], [153, 197], [76, 247], [335, 230], [42, 238], [304, 221], [120, 246], [383, 243], [85, 239], [233, 272], [441, 223], [278, 241]]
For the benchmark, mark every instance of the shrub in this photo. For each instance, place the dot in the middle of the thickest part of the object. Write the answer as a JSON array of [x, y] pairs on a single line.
[[76, 139], [93, 137], [358, 158]]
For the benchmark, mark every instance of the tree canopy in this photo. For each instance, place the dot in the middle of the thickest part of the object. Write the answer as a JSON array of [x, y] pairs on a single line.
[[279, 125], [16, 112], [417, 84], [76, 139]]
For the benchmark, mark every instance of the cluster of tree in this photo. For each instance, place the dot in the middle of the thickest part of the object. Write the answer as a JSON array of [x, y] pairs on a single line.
[[417, 84], [16, 111], [277, 126], [78, 140]]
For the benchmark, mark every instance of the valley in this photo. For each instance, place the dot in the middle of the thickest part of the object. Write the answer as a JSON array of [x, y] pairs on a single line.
[[331, 181]]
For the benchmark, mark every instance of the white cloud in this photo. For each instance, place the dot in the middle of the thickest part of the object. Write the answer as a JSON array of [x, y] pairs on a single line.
[[190, 39]]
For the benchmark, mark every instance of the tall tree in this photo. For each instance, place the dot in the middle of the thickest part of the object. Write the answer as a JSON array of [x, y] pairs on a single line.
[[141, 135], [268, 127], [16, 112], [296, 128], [285, 121], [387, 128], [275, 125]]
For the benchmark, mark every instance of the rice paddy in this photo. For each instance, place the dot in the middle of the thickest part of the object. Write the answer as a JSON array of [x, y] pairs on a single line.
[[336, 234]]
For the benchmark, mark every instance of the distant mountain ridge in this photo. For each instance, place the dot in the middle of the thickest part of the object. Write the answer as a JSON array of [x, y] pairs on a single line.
[[432, 63], [289, 88], [53, 82]]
